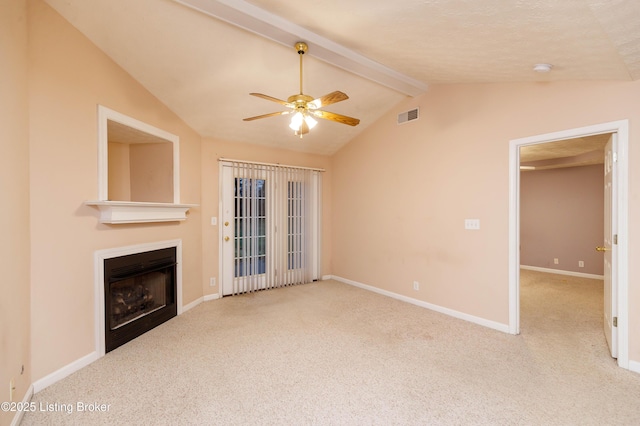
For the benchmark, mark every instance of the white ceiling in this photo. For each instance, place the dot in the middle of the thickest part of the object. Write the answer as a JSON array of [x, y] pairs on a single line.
[[203, 67]]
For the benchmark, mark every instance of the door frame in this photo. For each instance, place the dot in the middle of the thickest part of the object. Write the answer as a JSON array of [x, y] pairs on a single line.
[[620, 266]]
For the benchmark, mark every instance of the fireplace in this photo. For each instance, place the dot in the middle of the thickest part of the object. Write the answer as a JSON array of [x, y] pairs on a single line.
[[139, 294]]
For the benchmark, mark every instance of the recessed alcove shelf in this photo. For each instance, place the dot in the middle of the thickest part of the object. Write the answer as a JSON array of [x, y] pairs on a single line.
[[138, 172]]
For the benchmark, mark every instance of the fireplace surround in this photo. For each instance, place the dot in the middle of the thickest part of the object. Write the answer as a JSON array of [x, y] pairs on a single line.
[[136, 289]]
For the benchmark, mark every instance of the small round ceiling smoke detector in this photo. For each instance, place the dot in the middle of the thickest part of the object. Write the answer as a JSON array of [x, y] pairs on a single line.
[[542, 67]]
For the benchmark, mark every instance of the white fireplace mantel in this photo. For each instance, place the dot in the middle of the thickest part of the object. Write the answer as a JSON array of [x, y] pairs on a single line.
[[140, 212]]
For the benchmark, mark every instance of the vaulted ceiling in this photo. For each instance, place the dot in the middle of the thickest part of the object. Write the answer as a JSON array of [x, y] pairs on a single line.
[[202, 58]]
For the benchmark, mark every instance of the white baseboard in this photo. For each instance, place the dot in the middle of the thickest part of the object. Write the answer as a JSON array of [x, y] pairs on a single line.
[[326, 277], [65, 371], [460, 315], [192, 305], [209, 297], [17, 419], [562, 272], [634, 366], [199, 300]]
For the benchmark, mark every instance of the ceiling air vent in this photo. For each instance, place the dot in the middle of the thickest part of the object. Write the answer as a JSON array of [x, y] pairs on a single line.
[[405, 117]]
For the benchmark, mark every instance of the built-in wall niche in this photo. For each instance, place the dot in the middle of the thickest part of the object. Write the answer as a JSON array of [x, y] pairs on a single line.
[[138, 171], [139, 165]]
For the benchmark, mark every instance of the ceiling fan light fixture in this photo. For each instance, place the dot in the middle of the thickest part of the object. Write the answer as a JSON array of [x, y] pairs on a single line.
[[311, 122], [296, 121], [303, 107], [299, 119]]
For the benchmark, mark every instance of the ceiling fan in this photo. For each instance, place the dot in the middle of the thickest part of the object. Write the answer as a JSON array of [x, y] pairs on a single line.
[[304, 107]]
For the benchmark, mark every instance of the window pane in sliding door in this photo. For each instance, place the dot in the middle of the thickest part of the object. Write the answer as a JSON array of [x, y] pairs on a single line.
[[295, 225], [250, 227]]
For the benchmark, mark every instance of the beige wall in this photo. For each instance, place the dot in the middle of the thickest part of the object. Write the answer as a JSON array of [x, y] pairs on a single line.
[[140, 172], [404, 191], [14, 214], [562, 217], [151, 172], [69, 77], [394, 199], [119, 174], [212, 150]]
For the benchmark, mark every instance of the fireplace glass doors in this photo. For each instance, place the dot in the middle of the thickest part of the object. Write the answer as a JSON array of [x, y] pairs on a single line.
[[140, 294]]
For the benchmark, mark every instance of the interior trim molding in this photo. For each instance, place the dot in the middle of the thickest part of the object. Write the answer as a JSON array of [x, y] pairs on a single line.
[[258, 21], [440, 309], [65, 371], [98, 268], [104, 116], [562, 272], [621, 128], [17, 419], [192, 305], [199, 300], [116, 212]]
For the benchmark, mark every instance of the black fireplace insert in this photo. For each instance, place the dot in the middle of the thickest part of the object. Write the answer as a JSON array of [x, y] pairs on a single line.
[[139, 293]]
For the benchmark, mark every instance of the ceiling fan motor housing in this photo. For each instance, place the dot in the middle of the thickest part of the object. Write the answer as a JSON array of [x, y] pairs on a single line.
[[300, 101]]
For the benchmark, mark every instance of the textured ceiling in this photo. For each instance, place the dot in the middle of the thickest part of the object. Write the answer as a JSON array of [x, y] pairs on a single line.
[[203, 68], [574, 152]]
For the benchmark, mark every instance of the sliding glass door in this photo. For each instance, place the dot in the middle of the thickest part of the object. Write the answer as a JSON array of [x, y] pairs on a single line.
[[270, 226]]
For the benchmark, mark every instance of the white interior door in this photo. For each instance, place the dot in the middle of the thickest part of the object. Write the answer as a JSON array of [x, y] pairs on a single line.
[[609, 248]]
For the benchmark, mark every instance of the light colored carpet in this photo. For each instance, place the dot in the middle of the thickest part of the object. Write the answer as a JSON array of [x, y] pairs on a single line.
[[329, 353]]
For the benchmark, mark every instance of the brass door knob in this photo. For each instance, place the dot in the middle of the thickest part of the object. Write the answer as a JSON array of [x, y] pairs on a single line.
[[602, 249], [226, 238], [226, 224]]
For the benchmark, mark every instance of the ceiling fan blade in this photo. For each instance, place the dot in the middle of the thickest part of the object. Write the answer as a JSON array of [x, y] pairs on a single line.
[[329, 99], [272, 114], [336, 117], [272, 99]]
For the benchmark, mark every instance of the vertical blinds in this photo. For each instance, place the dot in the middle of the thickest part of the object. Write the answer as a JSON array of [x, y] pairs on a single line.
[[276, 226]]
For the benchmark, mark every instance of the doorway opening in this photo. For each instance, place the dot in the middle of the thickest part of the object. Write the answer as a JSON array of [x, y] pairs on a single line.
[[619, 264]]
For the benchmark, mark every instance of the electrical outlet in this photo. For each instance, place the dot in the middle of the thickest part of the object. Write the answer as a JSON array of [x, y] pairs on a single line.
[[580, 263], [12, 389], [555, 261], [472, 224], [212, 281], [416, 285]]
